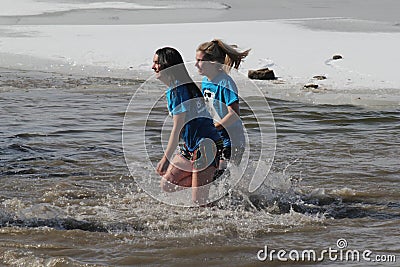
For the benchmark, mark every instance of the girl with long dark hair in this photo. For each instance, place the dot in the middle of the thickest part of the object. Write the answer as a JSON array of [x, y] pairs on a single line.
[[195, 164]]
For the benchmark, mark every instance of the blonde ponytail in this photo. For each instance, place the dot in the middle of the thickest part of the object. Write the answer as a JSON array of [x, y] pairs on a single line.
[[217, 50]]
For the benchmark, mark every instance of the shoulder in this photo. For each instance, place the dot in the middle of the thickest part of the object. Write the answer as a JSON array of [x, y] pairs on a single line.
[[227, 83], [205, 82], [180, 90], [224, 79], [205, 79]]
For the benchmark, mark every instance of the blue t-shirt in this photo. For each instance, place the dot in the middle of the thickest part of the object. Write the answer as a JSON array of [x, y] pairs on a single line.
[[198, 121], [220, 93]]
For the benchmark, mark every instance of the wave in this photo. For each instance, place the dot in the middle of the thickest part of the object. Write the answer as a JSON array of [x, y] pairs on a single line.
[[33, 8], [312, 207]]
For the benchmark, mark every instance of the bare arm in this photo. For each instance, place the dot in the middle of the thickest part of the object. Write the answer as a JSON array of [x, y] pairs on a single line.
[[230, 118], [178, 123]]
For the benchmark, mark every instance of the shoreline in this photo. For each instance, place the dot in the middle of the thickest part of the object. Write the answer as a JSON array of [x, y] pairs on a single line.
[[296, 49], [292, 50]]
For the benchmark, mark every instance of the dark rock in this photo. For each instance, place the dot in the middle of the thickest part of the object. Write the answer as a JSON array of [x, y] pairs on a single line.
[[320, 77], [261, 74], [311, 85], [335, 57]]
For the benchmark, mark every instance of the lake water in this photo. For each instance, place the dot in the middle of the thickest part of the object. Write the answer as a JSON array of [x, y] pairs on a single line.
[[67, 197]]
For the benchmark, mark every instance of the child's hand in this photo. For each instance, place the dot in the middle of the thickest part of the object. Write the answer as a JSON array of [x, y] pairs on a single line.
[[162, 166]]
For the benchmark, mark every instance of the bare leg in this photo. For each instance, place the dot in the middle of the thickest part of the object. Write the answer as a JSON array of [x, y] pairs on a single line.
[[201, 185], [177, 175]]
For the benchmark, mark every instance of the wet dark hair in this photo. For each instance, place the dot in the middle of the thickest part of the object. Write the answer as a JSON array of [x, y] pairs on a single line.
[[171, 62], [168, 57]]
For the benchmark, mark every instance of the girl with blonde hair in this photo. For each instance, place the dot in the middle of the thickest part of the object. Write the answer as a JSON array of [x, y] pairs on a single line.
[[214, 60]]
